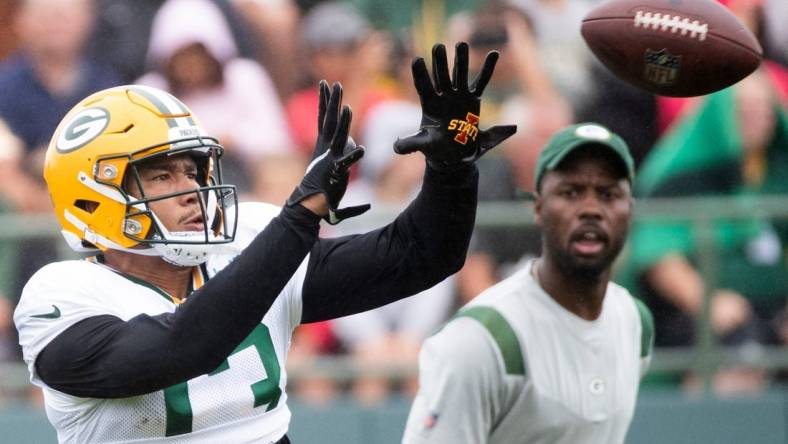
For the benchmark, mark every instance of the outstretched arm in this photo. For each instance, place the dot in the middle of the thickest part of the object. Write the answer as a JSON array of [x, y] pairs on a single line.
[[429, 240], [107, 357], [423, 246]]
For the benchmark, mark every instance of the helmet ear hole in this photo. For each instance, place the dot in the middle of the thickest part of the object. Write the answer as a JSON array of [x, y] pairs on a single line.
[[88, 206]]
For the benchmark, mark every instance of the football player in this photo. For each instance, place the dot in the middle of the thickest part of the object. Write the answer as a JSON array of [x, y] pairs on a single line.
[[554, 353], [177, 328]]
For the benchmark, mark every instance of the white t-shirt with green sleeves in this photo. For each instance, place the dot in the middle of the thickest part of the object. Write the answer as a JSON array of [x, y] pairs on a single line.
[[515, 367]]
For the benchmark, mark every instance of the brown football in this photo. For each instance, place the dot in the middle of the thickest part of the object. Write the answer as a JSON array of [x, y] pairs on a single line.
[[677, 48]]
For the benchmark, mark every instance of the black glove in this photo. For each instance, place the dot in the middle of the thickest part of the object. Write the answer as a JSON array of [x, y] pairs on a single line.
[[334, 153], [449, 135]]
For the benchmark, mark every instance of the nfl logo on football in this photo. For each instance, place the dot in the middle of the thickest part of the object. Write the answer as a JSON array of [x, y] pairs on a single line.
[[661, 67]]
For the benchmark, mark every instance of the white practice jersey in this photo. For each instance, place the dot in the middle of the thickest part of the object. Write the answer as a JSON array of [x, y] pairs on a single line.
[[242, 401], [515, 367]]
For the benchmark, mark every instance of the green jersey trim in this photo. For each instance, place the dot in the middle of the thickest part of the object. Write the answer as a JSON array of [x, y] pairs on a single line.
[[502, 333], [647, 334], [179, 409]]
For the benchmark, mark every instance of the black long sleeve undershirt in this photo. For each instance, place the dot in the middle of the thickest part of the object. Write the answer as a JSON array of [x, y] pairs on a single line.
[[423, 246], [105, 357]]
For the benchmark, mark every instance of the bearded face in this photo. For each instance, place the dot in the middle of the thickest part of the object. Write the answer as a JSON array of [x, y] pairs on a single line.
[[584, 209]]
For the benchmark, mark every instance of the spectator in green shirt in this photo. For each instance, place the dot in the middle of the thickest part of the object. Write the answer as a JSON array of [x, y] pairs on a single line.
[[735, 143]]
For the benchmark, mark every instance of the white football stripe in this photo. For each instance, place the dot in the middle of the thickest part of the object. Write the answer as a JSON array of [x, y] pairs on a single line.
[[672, 23]]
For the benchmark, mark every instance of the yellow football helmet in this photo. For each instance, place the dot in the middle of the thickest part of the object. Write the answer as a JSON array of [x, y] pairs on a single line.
[[97, 148]]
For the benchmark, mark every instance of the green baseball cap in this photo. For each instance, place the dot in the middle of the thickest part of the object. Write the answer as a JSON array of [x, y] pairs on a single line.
[[574, 136]]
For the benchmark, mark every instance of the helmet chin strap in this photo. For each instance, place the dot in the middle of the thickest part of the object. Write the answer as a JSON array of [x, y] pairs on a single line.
[[184, 254], [178, 251], [189, 255]]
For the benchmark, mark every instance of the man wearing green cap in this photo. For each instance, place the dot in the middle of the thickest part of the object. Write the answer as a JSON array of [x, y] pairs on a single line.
[[555, 353]]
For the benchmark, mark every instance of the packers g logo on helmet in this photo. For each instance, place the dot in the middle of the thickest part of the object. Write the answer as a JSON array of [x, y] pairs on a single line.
[[96, 152], [83, 127]]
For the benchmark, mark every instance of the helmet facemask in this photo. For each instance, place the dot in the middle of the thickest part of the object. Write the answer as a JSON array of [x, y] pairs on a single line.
[[216, 201]]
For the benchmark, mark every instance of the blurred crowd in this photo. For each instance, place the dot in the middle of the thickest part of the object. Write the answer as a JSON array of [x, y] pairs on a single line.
[[249, 70]]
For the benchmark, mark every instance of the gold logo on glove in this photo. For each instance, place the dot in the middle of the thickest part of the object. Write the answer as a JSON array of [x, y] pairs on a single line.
[[465, 128]]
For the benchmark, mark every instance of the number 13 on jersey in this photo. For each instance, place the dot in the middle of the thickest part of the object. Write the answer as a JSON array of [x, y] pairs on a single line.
[[247, 379]]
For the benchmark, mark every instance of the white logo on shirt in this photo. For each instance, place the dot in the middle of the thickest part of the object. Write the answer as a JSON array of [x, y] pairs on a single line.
[[597, 386]]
